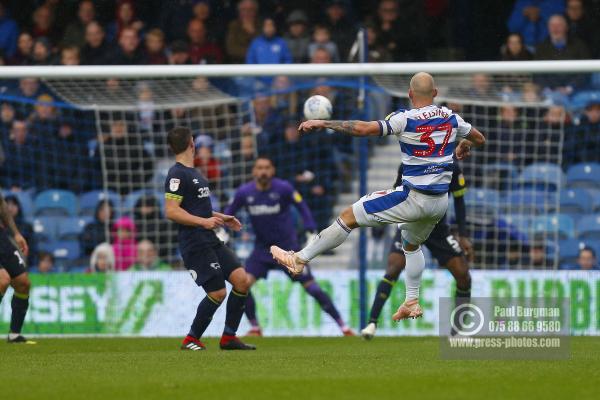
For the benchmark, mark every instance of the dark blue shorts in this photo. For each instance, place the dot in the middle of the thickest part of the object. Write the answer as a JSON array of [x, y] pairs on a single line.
[[261, 262], [211, 266]]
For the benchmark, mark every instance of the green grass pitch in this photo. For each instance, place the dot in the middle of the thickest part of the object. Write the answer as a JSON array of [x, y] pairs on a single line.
[[285, 368]]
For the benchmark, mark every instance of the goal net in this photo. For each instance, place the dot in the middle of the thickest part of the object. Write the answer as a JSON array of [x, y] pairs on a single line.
[[86, 159]]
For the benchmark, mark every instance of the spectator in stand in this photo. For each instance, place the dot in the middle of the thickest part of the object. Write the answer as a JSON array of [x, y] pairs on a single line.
[[124, 243], [151, 225], [128, 164], [321, 39], [587, 260], [43, 24], [503, 144], [377, 51], [42, 53], [268, 128], [43, 121], [174, 17], [24, 50], [75, 33], [155, 47], [541, 139], [15, 210], [102, 259], [70, 56], [125, 19], [341, 28], [514, 49], [202, 50], [402, 33], [147, 258], [537, 257], [582, 141], [21, 152], [29, 88], [241, 31], [204, 160], [321, 56], [297, 37], [7, 116], [560, 46], [46, 263], [530, 18], [583, 25], [214, 27], [268, 48], [8, 33], [97, 50], [68, 160], [179, 53], [243, 161], [129, 51], [95, 232]]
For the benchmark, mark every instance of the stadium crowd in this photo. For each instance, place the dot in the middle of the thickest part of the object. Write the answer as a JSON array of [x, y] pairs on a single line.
[[54, 140]]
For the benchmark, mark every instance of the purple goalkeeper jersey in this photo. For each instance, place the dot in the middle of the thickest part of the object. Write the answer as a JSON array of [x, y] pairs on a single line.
[[270, 213]]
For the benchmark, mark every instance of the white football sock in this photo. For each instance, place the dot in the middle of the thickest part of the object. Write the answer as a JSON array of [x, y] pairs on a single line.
[[415, 264], [329, 238]]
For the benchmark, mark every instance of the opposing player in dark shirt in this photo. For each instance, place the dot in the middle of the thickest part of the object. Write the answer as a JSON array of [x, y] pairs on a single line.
[[268, 201], [13, 252], [447, 250], [209, 261]]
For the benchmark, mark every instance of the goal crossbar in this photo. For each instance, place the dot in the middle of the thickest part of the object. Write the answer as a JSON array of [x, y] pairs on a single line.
[[351, 69]]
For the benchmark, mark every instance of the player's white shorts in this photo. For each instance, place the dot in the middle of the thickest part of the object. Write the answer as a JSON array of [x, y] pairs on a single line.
[[415, 213]]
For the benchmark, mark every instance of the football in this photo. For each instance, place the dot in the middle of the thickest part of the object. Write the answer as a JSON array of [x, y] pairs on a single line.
[[317, 107]]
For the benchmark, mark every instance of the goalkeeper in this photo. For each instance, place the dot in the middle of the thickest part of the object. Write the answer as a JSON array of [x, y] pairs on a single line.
[[267, 200], [448, 251]]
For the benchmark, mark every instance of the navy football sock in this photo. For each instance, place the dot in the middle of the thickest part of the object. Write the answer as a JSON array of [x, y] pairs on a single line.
[[251, 310], [19, 305], [325, 302], [383, 293], [235, 309], [206, 309]]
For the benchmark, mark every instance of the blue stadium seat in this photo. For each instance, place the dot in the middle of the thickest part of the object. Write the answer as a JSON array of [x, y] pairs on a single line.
[[56, 203], [522, 222], [584, 175], [133, 197], [89, 200], [70, 228], [595, 195], [46, 228], [544, 176], [581, 99], [482, 199], [575, 201], [528, 201], [500, 175], [588, 227], [26, 202], [569, 250], [63, 250], [549, 224]]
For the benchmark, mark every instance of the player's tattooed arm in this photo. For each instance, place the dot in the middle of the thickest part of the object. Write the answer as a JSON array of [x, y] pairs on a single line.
[[9, 223], [353, 127]]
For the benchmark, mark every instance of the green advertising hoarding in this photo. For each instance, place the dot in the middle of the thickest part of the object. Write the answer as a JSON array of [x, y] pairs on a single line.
[[164, 303]]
